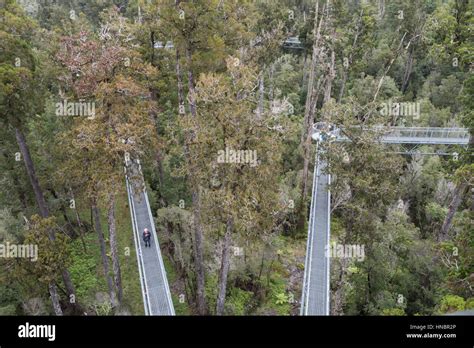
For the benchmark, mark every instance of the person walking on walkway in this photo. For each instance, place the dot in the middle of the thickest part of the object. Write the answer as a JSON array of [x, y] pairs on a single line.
[[147, 237]]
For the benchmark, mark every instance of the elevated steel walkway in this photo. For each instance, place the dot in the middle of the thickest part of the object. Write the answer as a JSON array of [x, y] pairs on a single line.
[[315, 294], [417, 135], [154, 284], [315, 299]]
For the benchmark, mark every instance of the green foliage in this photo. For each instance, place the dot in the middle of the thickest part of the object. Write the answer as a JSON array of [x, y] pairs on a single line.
[[139, 102], [84, 268], [103, 309], [469, 303], [8, 310], [393, 312], [435, 214], [451, 303], [281, 299], [180, 308], [11, 228], [211, 291], [237, 301], [278, 300], [51, 253], [10, 300]]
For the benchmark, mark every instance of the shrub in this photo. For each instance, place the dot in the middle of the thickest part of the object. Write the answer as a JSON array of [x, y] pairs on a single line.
[[393, 312], [451, 303]]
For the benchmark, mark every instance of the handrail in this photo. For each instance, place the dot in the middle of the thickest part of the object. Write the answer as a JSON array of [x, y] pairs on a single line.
[[418, 135], [157, 245], [141, 267], [307, 291], [149, 290], [328, 267], [309, 243]]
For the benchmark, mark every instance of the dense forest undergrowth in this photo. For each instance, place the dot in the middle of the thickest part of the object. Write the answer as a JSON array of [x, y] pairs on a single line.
[[217, 99]]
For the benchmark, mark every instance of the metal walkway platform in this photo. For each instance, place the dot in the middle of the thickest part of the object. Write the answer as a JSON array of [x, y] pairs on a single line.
[[315, 294], [418, 135], [155, 289], [315, 297]]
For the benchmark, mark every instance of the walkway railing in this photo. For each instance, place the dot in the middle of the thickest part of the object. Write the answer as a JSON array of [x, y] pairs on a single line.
[[154, 284], [417, 135], [315, 298], [316, 284]]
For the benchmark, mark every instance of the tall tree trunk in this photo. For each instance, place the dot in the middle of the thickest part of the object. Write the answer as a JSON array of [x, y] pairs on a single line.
[[69, 286], [305, 65], [114, 247], [192, 102], [198, 235], [305, 134], [455, 202], [62, 207], [158, 154], [304, 180], [79, 222], [53, 292], [270, 83], [224, 270], [198, 254], [343, 84], [312, 71], [30, 169], [262, 263], [154, 116], [339, 295], [179, 77], [198, 291], [453, 207], [408, 69], [331, 76], [103, 252], [345, 73], [368, 292], [339, 292], [161, 177], [381, 8], [44, 211]]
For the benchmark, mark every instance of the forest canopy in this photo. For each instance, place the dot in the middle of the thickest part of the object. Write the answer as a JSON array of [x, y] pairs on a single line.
[[217, 103]]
